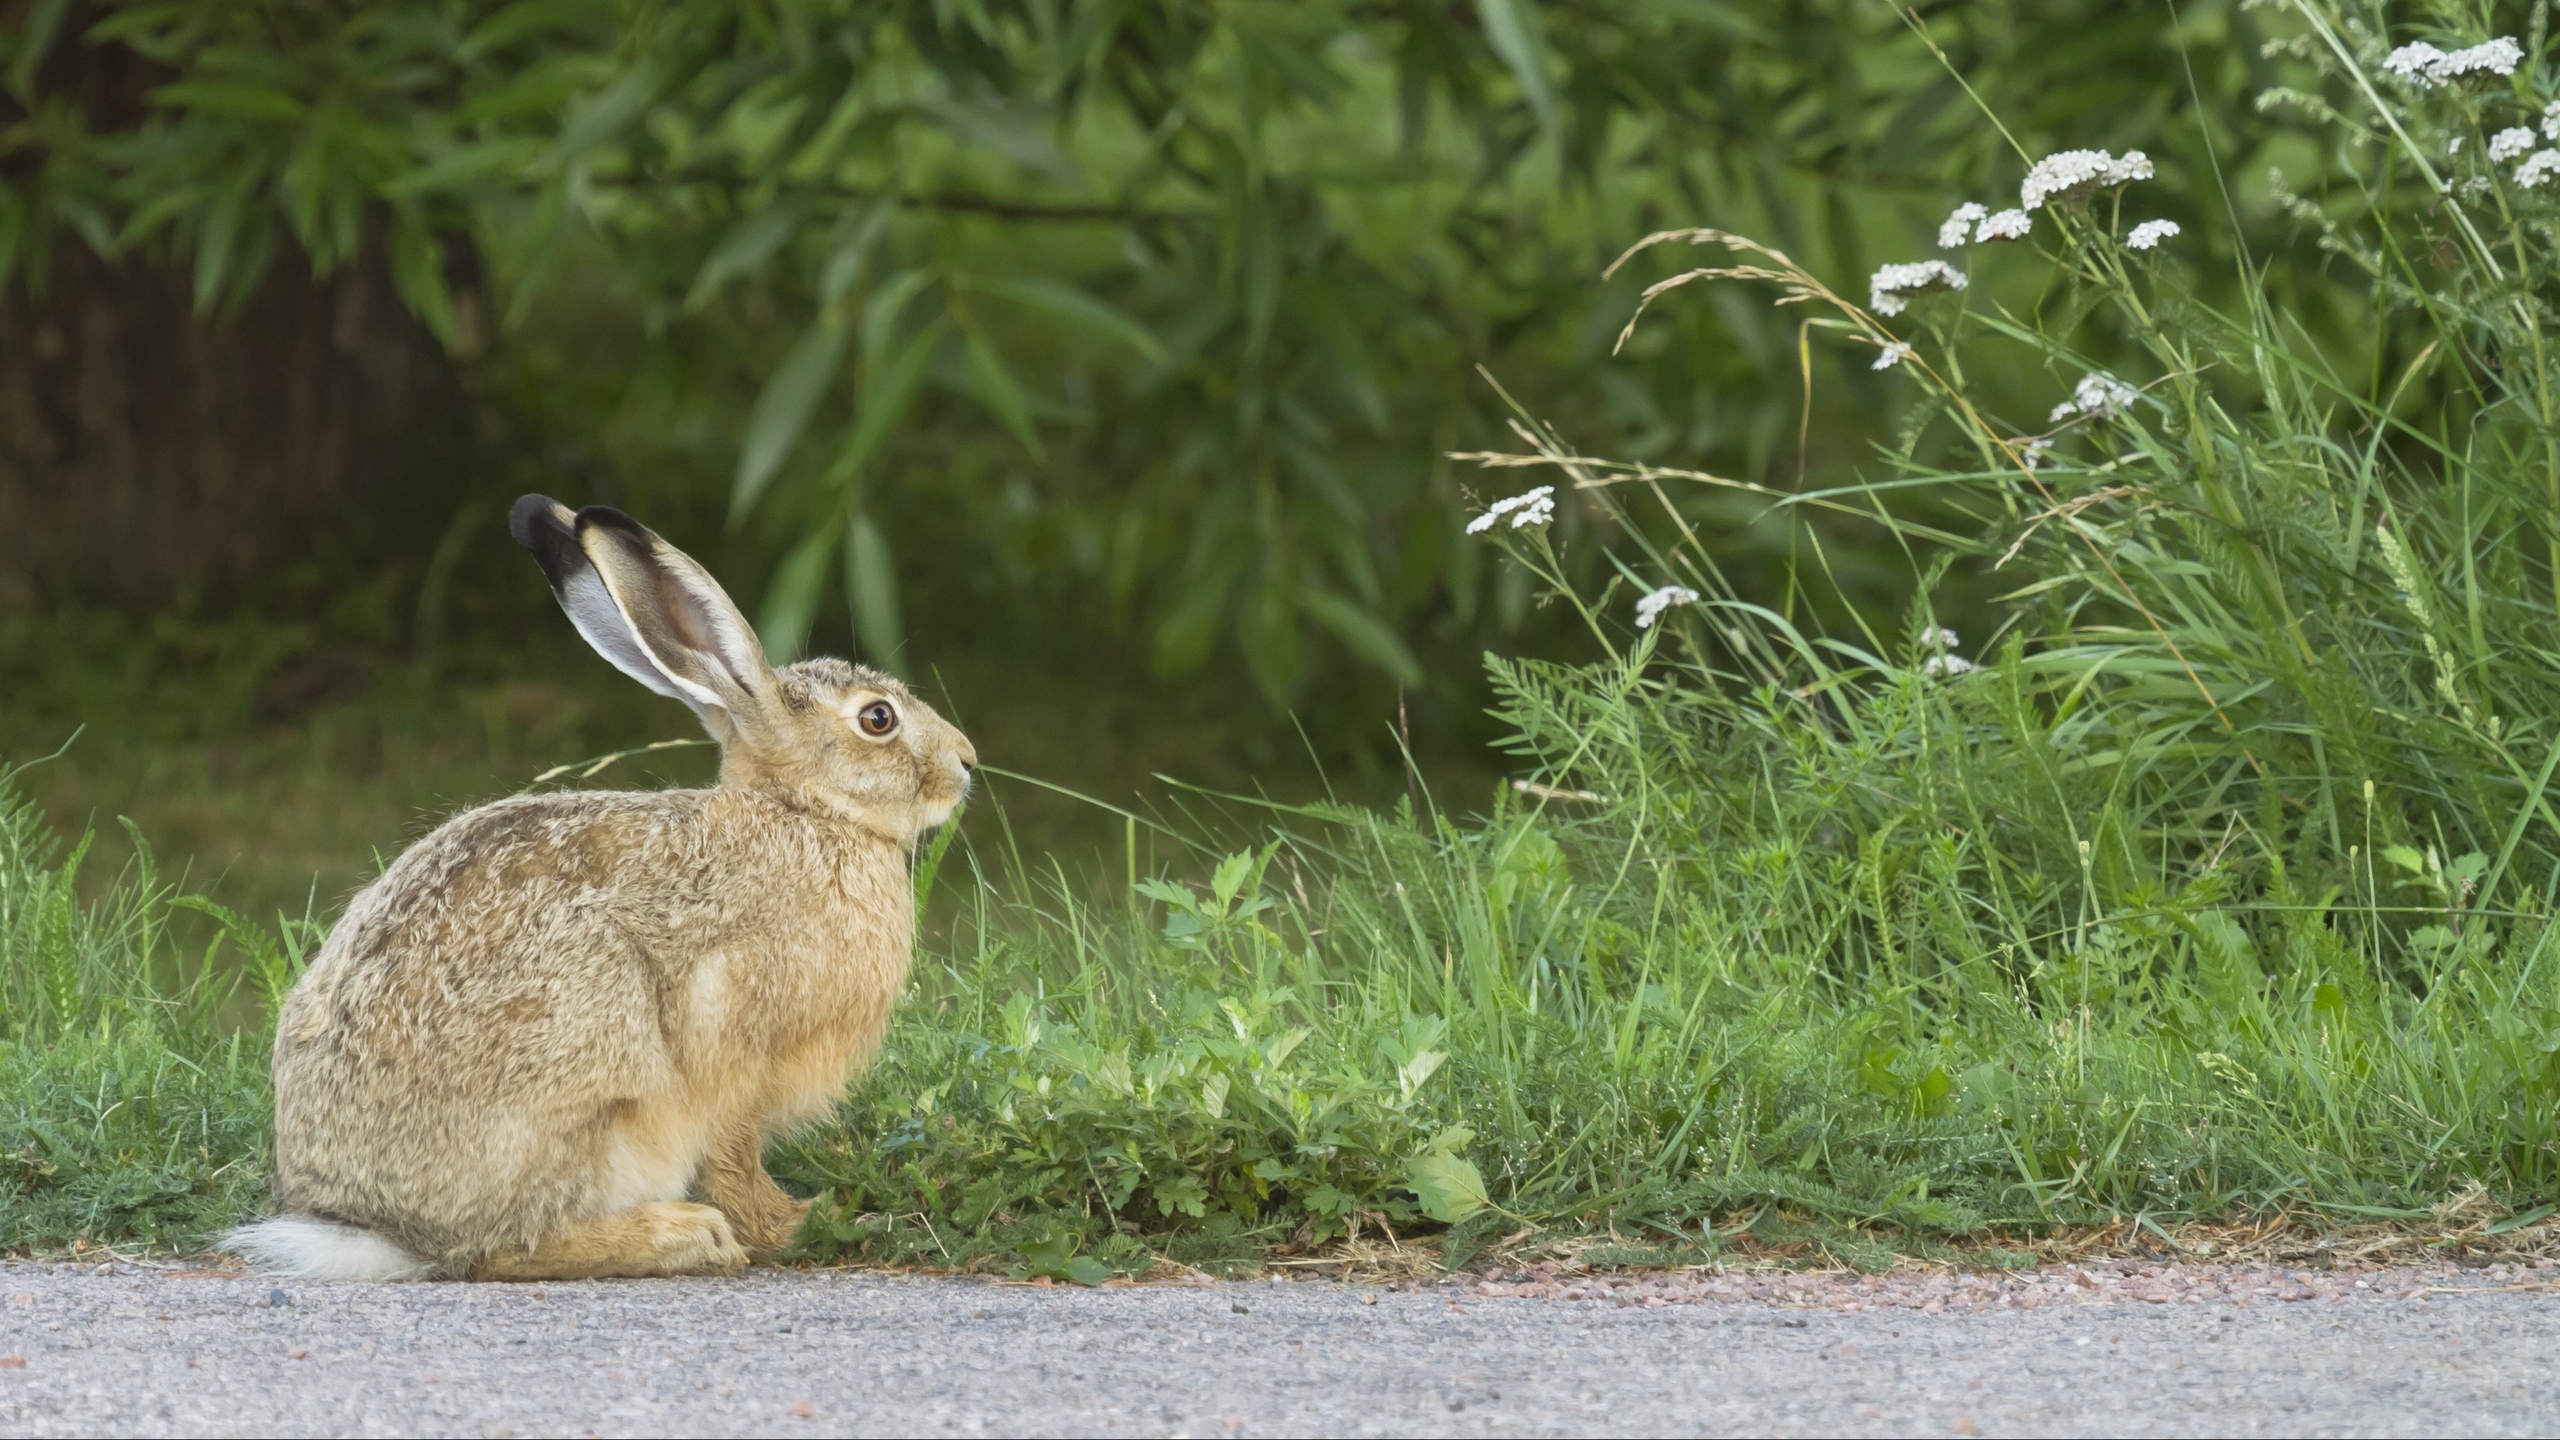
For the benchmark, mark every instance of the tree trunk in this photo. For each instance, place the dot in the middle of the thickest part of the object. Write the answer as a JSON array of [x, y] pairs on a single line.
[[150, 455]]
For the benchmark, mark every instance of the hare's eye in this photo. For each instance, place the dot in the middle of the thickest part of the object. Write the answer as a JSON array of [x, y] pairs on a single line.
[[879, 719]]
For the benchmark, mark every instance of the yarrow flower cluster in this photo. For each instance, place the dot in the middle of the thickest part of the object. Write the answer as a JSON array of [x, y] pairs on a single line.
[[2540, 167], [1893, 287], [2006, 225], [2551, 120], [2509, 143], [2098, 395], [1650, 608], [1894, 353], [1531, 507], [1945, 661], [2150, 233], [1952, 232], [2429, 68], [2071, 172]]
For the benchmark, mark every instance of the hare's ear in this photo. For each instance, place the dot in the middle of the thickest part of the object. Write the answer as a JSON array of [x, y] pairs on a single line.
[[647, 607]]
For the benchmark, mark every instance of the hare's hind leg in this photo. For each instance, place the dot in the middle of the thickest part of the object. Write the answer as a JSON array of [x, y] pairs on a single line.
[[763, 1216], [664, 1238]]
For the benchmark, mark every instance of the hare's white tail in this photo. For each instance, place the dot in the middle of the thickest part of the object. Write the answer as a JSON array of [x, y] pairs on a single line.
[[301, 1247]]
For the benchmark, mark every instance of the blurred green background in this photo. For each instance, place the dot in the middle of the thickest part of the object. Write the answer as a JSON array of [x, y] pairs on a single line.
[[1093, 363]]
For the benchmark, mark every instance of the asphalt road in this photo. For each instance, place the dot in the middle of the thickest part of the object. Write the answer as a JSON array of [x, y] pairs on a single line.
[[819, 1353]]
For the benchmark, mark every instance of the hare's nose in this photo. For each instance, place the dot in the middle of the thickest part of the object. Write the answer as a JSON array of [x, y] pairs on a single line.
[[968, 753]]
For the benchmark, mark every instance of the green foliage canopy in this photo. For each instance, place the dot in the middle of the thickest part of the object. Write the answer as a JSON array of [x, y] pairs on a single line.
[[1217, 273]]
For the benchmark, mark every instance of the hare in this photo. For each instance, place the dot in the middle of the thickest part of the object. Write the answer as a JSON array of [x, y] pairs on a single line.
[[558, 1017]]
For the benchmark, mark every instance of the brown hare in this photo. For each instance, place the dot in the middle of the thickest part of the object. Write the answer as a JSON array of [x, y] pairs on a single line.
[[559, 1018]]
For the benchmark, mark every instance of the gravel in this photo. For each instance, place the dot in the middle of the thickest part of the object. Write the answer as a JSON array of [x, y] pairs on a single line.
[[2101, 1349]]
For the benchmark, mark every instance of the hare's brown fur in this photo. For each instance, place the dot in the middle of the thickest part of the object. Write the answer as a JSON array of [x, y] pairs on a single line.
[[558, 1016]]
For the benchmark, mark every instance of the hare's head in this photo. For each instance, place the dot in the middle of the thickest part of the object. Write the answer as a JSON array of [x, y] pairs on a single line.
[[843, 737]]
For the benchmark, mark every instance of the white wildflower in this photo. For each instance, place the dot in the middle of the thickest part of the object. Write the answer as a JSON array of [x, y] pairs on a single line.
[[2476, 185], [2034, 453], [2072, 172], [2150, 233], [1945, 661], [2007, 225], [1893, 287], [1958, 225], [1650, 608], [2415, 63], [2551, 121], [1892, 355], [2098, 395], [1535, 507], [2427, 67], [2499, 57], [2509, 143], [2541, 165], [2453, 146]]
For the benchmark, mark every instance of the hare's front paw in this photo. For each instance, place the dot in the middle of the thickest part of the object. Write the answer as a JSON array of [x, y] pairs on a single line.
[[768, 1229], [693, 1240]]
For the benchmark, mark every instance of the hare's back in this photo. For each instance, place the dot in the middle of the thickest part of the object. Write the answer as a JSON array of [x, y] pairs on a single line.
[[523, 927]]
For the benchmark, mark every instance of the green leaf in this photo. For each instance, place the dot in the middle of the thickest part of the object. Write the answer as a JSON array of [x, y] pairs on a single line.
[[230, 100], [791, 601], [1513, 29], [35, 41], [854, 238], [1085, 1270], [1076, 308], [1016, 132], [748, 244], [461, 167], [871, 592], [521, 20], [1449, 1186], [929, 864], [886, 391], [880, 315], [417, 269], [997, 390], [783, 411], [618, 105], [1368, 638]]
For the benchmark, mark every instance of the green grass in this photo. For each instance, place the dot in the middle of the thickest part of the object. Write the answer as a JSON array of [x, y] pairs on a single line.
[[2221, 885]]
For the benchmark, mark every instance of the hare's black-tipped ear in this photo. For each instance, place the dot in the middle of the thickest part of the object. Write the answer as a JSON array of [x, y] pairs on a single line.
[[550, 530], [682, 621]]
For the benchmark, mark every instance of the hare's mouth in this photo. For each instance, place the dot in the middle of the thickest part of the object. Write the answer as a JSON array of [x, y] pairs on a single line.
[[950, 785]]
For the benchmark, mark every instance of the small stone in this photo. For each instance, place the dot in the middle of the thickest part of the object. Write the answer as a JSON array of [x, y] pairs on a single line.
[[804, 1409], [13, 1361], [277, 1299], [298, 1352]]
